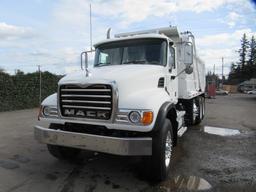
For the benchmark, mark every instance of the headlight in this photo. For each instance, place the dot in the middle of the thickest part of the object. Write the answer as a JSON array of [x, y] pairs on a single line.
[[135, 117], [50, 111]]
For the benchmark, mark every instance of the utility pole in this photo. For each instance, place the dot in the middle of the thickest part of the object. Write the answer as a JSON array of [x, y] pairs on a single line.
[[213, 76], [40, 84], [91, 26], [222, 80]]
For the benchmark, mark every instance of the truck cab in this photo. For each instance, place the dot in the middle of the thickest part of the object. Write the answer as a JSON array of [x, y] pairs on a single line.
[[144, 90]]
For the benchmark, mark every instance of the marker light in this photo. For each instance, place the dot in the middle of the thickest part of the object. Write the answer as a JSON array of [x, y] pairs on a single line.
[[147, 117], [39, 113]]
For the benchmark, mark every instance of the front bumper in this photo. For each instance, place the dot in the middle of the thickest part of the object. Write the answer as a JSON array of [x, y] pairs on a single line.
[[131, 146]]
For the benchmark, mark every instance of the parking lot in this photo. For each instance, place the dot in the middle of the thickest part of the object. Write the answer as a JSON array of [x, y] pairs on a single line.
[[206, 158]]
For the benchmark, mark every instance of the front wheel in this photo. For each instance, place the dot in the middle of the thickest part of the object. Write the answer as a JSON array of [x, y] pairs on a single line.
[[62, 152], [162, 151]]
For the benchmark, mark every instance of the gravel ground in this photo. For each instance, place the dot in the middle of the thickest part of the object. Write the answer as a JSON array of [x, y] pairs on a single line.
[[202, 161]]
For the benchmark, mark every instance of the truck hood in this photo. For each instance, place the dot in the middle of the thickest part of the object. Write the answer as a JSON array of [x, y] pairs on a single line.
[[130, 79]]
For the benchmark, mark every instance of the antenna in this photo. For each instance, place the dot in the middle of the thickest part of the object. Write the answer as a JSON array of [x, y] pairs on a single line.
[[91, 26]]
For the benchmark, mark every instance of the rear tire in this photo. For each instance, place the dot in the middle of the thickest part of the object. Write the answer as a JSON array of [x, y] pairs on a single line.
[[162, 148], [200, 110], [189, 116], [61, 152], [195, 110]]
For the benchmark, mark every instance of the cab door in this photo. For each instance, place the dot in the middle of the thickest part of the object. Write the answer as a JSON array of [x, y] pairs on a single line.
[[171, 79]]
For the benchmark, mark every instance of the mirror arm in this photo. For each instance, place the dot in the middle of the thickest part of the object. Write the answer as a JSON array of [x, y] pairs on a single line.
[[173, 77]]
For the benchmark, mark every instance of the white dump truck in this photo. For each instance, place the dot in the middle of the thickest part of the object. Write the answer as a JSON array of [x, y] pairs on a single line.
[[143, 91]]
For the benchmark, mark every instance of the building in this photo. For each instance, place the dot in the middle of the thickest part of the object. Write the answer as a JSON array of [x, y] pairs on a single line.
[[230, 88], [247, 85]]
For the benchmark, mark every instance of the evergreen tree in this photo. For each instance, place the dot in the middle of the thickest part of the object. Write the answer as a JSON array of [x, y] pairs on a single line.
[[232, 67], [252, 52], [252, 57], [245, 68], [243, 51]]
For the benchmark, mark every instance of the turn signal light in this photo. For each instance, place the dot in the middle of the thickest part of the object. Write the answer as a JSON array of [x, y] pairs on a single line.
[[147, 117], [40, 113]]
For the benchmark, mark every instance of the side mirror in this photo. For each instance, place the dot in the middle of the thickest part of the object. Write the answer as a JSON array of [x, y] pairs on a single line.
[[84, 58], [189, 69], [188, 54]]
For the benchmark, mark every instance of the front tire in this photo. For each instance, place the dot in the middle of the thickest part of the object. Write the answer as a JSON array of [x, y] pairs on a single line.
[[61, 152], [162, 149]]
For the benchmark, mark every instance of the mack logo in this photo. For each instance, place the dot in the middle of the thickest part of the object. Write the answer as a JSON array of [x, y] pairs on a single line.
[[89, 114]]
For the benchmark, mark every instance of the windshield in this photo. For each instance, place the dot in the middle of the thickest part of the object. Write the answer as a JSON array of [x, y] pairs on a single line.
[[139, 51]]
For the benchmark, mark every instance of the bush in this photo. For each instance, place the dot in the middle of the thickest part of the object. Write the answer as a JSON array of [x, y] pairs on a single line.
[[21, 91]]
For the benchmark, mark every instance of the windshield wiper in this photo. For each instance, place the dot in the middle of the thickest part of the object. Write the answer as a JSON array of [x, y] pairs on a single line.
[[101, 64], [135, 62], [154, 62]]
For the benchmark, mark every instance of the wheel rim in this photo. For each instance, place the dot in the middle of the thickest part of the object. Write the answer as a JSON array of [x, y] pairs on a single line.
[[168, 149], [195, 111]]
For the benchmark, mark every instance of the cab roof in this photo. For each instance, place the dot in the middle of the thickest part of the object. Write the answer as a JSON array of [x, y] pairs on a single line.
[[170, 33], [142, 36]]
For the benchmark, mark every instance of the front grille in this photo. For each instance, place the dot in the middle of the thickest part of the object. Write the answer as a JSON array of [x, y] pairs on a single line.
[[92, 101]]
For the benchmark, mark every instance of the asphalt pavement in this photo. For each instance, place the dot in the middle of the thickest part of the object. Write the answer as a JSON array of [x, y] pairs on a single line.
[[218, 155]]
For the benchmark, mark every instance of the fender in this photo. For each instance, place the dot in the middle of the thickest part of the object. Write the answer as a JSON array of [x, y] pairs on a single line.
[[162, 114]]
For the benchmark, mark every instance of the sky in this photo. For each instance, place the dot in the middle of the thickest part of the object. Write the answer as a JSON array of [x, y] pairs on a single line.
[[53, 33]]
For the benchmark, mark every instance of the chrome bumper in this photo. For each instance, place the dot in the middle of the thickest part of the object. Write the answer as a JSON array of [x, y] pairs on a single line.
[[113, 145]]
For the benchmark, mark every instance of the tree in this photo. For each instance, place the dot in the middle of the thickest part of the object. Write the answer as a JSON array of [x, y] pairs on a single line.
[[243, 51], [252, 57], [233, 67], [21, 90], [245, 68], [252, 51]]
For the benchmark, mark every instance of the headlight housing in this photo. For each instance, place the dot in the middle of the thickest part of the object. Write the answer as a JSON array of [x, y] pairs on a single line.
[[48, 111], [136, 117]]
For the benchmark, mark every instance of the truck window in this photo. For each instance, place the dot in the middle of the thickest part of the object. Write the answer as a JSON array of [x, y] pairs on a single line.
[[138, 51], [109, 56], [171, 57]]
